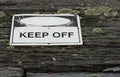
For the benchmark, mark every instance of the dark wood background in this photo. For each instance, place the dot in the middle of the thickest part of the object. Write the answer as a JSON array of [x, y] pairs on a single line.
[[100, 51]]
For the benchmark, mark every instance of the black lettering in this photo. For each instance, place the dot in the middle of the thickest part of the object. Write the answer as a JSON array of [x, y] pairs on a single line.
[[56, 34], [64, 34], [30, 35], [38, 34], [70, 34], [22, 35], [44, 34]]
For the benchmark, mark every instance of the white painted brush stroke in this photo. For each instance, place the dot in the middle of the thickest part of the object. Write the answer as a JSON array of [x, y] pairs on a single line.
[[44, 21]]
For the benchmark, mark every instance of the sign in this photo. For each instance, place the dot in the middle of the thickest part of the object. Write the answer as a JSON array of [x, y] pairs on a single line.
[[45, 29]]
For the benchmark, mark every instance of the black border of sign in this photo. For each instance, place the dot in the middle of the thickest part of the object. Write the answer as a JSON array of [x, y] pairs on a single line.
[[47, 44]]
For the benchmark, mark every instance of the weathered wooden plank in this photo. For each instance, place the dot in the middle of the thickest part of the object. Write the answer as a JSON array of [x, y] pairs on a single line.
[[11, 72], [51, 74], [57, 4], [65, 59]]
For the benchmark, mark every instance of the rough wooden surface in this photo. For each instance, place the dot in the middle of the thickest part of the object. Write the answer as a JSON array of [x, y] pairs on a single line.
[[11, 72], [73, 75], [101, 37]]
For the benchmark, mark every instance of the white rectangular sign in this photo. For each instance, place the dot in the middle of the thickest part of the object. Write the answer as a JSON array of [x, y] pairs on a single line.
[[46, 29]]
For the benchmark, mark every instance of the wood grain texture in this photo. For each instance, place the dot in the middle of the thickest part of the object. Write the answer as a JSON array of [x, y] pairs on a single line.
[[100, 50], [73, 75], [11, 72]]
